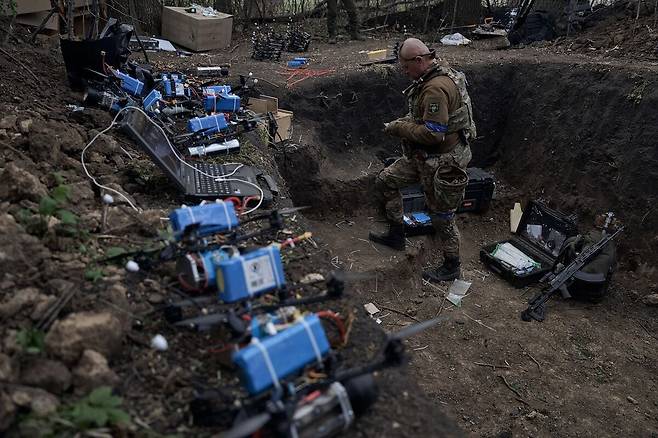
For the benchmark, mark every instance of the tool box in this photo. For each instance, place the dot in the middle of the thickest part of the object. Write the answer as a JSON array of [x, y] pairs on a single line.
[[477, 199], [281, 355], [479, 191], [531, 251]]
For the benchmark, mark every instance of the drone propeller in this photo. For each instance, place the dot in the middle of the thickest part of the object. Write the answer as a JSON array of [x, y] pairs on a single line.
[[415, 328], [248, 427]]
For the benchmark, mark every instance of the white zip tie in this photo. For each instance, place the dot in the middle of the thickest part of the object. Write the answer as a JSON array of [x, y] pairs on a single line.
[[314, 342], [228, 218], [274, 266], [268, 362]]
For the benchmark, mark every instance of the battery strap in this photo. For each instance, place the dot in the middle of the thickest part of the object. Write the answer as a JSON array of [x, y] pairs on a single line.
[[191, 213], [311, 337], [228, 218], [274, 267], [268, 362]]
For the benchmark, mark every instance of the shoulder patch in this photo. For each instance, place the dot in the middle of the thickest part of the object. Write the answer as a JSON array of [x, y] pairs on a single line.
[[433, 108]]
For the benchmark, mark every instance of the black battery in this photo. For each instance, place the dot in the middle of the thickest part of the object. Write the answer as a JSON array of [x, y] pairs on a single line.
[[539, 237]]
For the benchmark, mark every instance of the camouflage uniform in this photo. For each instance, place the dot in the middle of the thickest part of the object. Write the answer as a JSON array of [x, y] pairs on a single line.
[[438, 102], [332, 14]]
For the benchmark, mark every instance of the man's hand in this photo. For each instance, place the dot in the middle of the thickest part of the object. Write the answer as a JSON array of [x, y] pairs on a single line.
[[393, 128]]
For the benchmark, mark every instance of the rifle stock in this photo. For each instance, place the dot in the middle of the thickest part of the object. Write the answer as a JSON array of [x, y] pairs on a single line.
[[558, 283]]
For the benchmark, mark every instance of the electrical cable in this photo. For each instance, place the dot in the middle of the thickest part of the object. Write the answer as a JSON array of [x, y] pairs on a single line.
[[224, 177]]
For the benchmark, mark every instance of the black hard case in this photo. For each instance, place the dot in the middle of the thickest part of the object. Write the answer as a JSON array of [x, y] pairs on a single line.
[[545, 253]]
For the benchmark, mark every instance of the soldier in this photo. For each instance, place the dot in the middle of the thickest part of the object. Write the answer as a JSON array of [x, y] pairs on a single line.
[[435, 138], [332, 13]]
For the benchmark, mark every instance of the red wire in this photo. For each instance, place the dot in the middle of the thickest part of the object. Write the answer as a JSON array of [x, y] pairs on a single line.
[[336, 320], [237, 204], [199, 263]]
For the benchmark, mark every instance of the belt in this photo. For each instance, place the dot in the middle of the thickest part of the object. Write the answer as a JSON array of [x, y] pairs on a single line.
[[422, 154]]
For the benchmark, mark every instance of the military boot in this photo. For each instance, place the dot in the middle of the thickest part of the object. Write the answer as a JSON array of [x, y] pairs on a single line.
[[448, 271], [393, 238]]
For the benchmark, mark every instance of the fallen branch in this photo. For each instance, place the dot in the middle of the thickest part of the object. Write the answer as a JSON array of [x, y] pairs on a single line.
[[530, 356], [20, 153], [53, 311], [399, 312], [478, 321], [491, 365], [17, 61], [518, 395]]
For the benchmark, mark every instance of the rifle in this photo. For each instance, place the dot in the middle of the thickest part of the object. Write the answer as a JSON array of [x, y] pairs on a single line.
[[558, 282]]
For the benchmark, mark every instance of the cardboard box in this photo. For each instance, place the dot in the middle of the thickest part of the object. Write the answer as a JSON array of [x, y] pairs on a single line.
[[29, 7], [264, 104], [35, 19], [284, 122], [195, 31]]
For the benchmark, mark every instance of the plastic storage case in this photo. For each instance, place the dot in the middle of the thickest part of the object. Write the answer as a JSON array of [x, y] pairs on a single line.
[[251, 274], [213, 217], [479, 191], [477, 198], [288, 351], [551, 228]]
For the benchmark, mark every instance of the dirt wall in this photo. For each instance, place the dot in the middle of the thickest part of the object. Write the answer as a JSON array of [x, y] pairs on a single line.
[[579, 136]]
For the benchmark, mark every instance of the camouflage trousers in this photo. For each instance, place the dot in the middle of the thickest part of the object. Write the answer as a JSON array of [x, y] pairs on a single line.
[[332, 15], [443, 179]]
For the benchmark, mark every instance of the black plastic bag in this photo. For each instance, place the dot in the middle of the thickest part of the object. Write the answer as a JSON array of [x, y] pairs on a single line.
[[82, 56]]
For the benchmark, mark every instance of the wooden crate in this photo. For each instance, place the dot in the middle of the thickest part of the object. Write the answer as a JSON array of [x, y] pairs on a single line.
[[284, 122], [195, 31]]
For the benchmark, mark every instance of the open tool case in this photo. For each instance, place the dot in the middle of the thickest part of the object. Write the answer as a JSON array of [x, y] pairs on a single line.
[[539, 236]]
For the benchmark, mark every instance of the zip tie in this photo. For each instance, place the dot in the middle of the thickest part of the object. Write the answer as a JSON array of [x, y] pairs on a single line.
[[228, 218], [268, 362], [191, 213], [274, 266], [314, 343]]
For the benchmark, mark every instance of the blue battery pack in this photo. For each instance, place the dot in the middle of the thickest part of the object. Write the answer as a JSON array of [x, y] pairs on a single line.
[[151, 100], [271, 359], [217, 89], [221, 102], [174, 88], [213, 217], [210, 124], [251, 274], [130, 84]]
